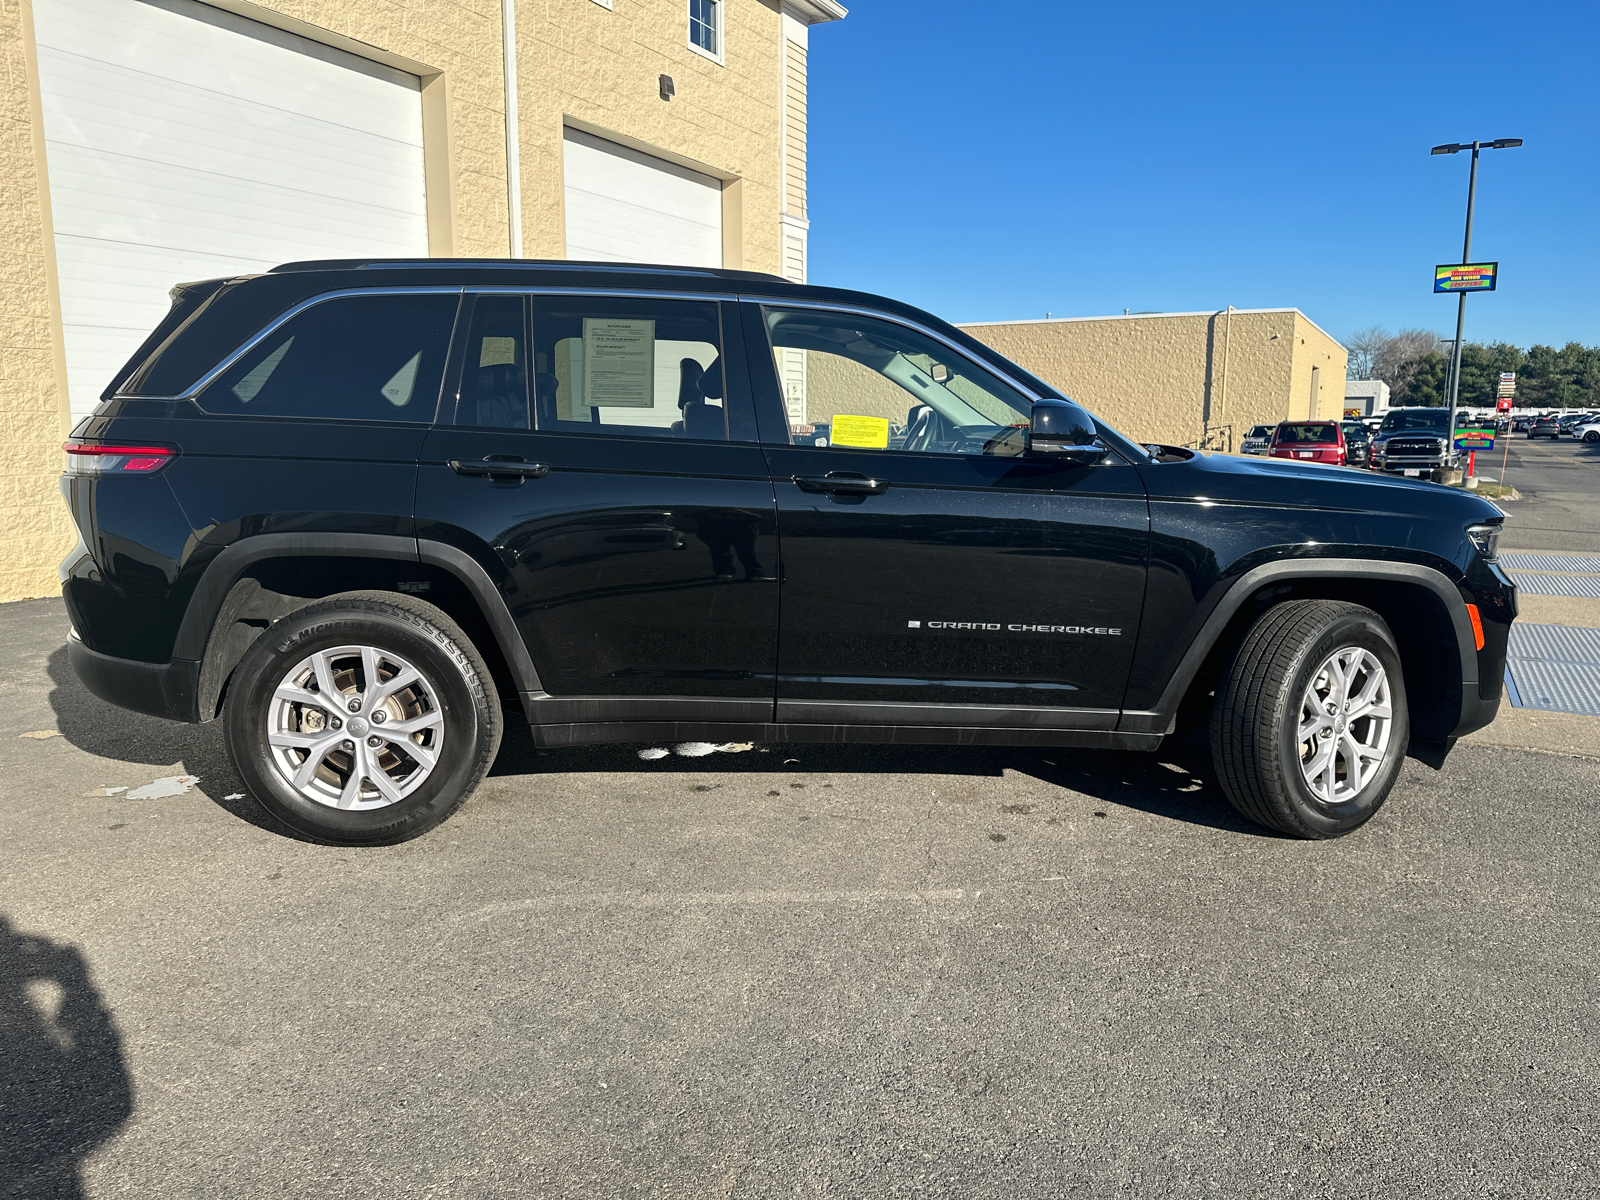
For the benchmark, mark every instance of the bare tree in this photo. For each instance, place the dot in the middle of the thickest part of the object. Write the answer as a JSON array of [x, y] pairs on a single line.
[[1397, 364], [1365, 345]]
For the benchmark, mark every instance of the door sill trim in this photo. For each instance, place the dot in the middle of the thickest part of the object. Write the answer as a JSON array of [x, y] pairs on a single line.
[[544, 709], [872, 712], [553, 737]]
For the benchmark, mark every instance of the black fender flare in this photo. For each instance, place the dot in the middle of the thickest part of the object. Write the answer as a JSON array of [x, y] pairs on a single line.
[[1160, 718], [223, 572]]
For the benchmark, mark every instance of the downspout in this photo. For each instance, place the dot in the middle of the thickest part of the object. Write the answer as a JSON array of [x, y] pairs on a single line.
[[1215, 417], [508, 40]]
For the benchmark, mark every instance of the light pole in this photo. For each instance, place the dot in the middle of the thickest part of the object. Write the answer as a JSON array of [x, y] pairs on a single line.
[[1466, 257]]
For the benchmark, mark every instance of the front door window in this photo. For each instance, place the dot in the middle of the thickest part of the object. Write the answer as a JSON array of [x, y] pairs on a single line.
[[867, 384]]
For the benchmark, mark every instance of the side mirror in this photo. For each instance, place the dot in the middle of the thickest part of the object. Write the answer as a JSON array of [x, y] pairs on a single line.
[[1065, 432]]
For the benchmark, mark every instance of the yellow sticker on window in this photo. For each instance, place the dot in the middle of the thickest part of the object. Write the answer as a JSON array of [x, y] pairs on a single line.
[[869, 433]]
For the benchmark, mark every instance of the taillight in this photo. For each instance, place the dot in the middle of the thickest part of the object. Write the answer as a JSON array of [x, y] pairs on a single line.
[[93, 458]]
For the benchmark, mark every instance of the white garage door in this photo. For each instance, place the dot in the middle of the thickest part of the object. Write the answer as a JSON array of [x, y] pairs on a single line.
[[626, 206], [184, 143]]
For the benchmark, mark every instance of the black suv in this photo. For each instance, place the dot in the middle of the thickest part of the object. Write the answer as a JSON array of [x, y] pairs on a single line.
[[359, 510]]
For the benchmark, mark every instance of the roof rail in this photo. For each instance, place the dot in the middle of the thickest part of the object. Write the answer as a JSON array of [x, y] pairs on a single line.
[[503, 264]]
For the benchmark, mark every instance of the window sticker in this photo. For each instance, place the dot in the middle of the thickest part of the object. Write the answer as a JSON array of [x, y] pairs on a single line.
[[248, 388], [619, 362], [569, 382], [495, 351], [398, 390], [867, 433]]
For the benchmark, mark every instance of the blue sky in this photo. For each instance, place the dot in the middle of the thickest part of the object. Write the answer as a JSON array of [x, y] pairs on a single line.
[[993, 161]]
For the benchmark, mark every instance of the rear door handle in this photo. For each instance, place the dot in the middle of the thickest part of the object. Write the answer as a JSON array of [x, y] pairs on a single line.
[[501, 466], [841, 483]]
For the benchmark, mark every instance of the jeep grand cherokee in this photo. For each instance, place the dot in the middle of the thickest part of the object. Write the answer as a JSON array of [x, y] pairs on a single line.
[[358, 511]]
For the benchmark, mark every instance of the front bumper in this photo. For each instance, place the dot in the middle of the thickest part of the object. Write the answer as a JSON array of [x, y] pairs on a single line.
[[170, 689]]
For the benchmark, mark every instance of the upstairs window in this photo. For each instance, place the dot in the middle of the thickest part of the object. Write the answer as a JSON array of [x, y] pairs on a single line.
[[705, 26]]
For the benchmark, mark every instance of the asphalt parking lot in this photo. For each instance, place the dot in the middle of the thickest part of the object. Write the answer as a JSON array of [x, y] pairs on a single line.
[[800, 970], [1560, 484], [785, 971]]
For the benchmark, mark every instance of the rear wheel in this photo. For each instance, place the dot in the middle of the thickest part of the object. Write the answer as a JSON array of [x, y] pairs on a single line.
[[366, 718], [1311, 726]]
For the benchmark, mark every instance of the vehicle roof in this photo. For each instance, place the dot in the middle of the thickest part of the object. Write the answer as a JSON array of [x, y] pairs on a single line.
[[224, 312]]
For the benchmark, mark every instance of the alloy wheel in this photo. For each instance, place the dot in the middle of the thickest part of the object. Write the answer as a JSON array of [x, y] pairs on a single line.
[[1346, 716], [355, 727]]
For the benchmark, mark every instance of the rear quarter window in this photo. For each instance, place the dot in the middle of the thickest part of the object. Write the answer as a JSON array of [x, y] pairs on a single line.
[[369, 358]]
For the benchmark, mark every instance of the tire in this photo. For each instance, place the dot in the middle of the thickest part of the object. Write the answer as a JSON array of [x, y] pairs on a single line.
[[274, 726], [1591, 436], [1255, 725]]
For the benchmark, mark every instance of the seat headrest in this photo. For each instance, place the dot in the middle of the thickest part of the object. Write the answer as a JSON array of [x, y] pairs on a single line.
[[500, 377], [704, 421], [711, 380]]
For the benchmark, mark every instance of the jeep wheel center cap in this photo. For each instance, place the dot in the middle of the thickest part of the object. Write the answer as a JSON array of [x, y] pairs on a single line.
[[357, 727]]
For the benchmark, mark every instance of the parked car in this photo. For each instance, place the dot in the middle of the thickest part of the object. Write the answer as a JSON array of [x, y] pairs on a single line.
[[1520, 424], [1589, 432], [1358, 443], [1549, 427], [1258, 440], [360, 512], [1413, 441], [1309, 441]]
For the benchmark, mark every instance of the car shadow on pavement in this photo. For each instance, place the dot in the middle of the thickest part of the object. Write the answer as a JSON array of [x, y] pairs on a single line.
[[106, 731], [64, 1085], [1175, 782]]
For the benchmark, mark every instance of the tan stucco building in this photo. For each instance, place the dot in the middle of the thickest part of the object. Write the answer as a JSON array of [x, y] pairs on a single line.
[[147, 143], [1180, 378]]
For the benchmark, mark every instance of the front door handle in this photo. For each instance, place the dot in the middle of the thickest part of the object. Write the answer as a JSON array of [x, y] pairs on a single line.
[[501, 467], [841, 483]]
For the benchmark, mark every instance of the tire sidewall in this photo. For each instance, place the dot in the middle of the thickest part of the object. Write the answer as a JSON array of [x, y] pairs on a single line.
[[1350, 630], [429, 650]]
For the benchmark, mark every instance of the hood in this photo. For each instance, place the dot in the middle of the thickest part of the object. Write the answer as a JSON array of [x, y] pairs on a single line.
[[1289, 484]]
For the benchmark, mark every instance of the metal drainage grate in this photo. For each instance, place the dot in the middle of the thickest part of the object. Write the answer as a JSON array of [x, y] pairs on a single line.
[[1584, 586], [1512, 560], [1555, 643], [1554, 668]]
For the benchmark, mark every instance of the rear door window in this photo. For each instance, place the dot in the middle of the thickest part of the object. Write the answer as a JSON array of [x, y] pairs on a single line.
[[639, 368], [494, 374], [370, 358]]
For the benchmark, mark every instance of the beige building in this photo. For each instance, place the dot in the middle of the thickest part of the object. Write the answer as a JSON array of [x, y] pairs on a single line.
[[148, 142], [1183, 378]]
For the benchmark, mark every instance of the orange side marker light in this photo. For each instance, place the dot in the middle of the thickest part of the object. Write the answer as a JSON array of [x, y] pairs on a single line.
[[1477, 624]]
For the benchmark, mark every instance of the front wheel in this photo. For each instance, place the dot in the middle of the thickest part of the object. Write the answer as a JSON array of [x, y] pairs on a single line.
[[363, 719], [1311, 725], [1591, 436]]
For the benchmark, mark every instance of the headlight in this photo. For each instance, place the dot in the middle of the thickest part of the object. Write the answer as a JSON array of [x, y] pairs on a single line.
[[1487, 540]]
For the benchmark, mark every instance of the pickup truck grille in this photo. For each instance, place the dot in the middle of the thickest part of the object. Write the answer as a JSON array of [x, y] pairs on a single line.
[[1410, 446]]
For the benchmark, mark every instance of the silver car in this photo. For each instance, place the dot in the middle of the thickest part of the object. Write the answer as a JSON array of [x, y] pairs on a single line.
[[1258, 440]]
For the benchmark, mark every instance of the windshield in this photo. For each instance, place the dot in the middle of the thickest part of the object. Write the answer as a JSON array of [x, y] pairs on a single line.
[[1434, 419], [1354, 429], [1301, 434], [1260, 431]]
